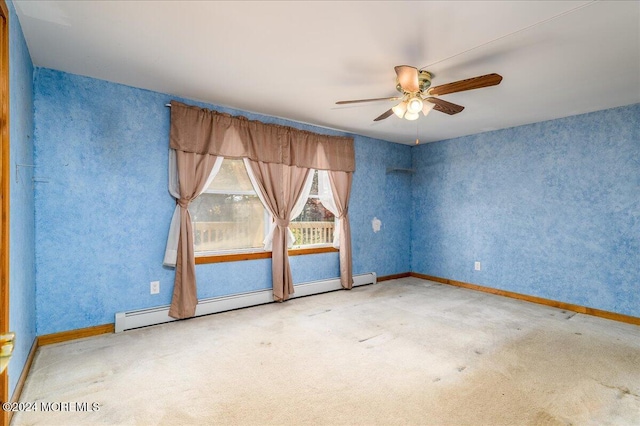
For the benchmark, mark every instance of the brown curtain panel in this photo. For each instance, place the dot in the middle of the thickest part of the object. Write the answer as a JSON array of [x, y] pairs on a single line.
[[280, 186], [193, 171], [341, 188]]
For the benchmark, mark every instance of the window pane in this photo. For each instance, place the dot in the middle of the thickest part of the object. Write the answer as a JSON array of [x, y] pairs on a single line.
[[231, 220], [232, 177], [227, 222], [315, 224]]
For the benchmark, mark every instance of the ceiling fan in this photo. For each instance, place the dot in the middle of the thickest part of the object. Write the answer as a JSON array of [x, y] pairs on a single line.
[[415, 84]]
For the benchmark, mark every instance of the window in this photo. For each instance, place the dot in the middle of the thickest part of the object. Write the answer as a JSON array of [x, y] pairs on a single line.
[[228, 217], [315, 224]]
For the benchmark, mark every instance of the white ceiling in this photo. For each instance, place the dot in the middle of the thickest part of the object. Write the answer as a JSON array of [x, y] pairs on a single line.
[[296, 59]]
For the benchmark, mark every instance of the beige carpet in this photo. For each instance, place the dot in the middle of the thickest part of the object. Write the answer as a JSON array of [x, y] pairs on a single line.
[[406, 351]]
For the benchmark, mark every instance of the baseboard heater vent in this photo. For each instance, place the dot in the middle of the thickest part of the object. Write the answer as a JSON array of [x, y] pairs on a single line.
[[159, 315]]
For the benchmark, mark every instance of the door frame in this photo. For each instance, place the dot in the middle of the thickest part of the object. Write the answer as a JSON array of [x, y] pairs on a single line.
[[4, 193]]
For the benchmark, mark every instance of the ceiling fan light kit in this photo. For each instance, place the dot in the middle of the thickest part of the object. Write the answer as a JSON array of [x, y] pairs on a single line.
[[414, 105], [428, 106], [400, 109], [414, 84], [411, 116]]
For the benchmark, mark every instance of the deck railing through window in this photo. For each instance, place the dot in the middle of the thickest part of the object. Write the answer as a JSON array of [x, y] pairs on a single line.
[[212, 236], [308, 233]]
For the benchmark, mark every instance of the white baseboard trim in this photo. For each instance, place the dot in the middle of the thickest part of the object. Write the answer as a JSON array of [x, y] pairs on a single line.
[[159, 315]]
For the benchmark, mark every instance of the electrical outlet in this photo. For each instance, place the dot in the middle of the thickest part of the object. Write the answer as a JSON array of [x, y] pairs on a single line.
[[154, 288], [476, 266]]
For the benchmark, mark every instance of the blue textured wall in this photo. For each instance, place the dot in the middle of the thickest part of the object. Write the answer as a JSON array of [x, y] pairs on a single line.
[[386, 196], [22, 316], [550, 209], [103, 216]]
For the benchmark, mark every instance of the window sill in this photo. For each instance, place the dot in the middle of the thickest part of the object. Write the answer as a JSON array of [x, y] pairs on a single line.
[[219, 258]]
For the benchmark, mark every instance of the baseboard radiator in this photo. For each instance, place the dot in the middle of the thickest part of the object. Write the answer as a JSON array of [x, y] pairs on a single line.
[[159, 315]]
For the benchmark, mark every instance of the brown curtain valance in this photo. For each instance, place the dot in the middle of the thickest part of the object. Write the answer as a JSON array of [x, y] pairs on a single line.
[[203, 131]]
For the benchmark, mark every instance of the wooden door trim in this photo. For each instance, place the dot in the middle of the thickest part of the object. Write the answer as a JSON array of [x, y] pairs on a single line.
[[4, 193]]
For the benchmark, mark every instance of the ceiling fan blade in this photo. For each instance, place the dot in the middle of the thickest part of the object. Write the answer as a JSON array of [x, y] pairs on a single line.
[[444, 106], [367, 100], [408, 78], [468, 84], [386, 114]]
